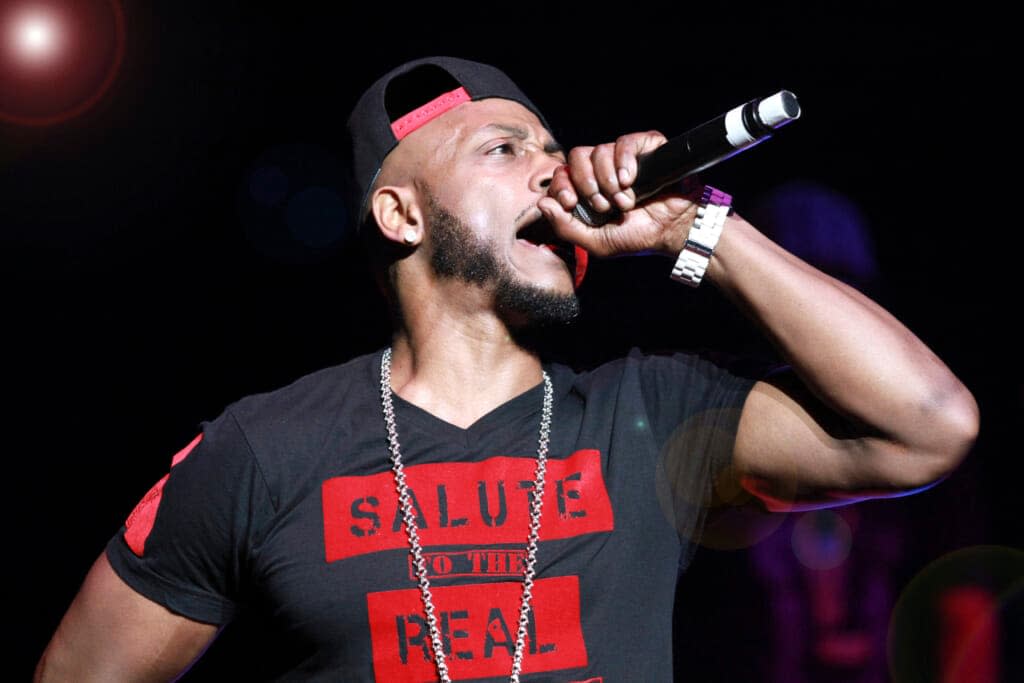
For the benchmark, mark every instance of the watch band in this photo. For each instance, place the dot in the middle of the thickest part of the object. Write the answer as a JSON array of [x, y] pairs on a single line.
[[702, 239]]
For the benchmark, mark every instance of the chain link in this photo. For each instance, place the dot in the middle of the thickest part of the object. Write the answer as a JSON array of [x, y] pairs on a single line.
[[416, 549]]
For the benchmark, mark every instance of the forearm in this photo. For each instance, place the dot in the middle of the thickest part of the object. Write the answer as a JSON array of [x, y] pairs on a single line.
[[868, 387], [855, 356]]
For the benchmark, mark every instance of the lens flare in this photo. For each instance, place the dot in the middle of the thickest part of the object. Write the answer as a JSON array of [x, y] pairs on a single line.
[[36, 36], [57, 59], [963, 613], [821, 539], [702, 496], [289, 207]]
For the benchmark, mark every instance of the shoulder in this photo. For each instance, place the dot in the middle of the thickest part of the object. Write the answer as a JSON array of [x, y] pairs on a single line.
[[670, 386], [666, 367], [290, 426], [311, 398]]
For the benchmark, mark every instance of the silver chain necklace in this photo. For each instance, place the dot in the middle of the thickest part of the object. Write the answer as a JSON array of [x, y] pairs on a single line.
[[416, 550]]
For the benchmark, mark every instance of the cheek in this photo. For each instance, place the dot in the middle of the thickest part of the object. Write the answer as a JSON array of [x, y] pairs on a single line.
[[485, 207], [478, 217]]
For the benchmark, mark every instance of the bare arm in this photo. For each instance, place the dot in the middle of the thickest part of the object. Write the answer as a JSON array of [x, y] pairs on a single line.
[[871, 411], [112, 633], [874, 411]]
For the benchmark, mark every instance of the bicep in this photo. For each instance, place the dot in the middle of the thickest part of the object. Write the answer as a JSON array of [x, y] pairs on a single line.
[[111, 632], [793, 451]]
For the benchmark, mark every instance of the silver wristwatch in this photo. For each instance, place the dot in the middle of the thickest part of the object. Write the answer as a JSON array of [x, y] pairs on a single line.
[[702, 239]]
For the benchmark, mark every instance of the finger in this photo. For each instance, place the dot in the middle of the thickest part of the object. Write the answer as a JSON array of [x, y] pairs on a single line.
[[625, 160], [581, 170], [602, 158], [629, 148], [561, 188]]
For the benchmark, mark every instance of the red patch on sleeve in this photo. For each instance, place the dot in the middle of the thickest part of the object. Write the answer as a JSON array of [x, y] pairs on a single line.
[[140, 521]]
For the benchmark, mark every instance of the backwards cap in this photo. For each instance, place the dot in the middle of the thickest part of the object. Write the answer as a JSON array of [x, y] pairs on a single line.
[[410, 96], [406, 98]]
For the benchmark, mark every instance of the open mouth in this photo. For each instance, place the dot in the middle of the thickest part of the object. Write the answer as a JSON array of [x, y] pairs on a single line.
[[539, 233]]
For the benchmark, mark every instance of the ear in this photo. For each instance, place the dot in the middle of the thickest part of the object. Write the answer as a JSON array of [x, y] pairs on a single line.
[[399, 217]]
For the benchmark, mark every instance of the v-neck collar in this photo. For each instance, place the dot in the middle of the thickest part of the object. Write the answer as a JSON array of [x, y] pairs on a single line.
[[528, 402]]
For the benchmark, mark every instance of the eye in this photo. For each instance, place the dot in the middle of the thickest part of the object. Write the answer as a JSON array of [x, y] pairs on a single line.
[[503, 148]]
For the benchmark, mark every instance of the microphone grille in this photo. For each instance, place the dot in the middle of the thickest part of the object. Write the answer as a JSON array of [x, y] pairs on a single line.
[[778, 109]]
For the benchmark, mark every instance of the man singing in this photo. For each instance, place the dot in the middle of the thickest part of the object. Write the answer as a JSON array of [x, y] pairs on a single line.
[[454, 507]]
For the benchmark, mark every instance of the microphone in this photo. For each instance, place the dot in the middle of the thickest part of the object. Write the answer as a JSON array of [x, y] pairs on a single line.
[[702, 147]]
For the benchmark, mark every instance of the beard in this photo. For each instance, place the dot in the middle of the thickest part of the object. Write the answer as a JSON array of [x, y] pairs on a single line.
[[458, 254]]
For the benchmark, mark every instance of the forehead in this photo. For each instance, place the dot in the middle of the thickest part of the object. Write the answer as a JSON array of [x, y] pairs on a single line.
[[433, 148], [472, 118]]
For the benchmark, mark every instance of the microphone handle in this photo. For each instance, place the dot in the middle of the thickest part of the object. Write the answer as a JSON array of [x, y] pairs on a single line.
[[700, 148]]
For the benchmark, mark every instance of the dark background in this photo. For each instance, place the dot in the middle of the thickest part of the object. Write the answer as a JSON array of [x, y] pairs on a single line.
[[181, 243]]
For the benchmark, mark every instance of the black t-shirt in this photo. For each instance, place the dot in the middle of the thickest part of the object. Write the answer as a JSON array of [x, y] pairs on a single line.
[[285, 506]]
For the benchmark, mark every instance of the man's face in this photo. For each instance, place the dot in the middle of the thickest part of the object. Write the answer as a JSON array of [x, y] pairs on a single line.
[[458, 254], [486, 165]]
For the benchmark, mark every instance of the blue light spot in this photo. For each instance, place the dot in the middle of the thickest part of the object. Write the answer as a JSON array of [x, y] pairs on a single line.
[[268, 185], [316, 217]]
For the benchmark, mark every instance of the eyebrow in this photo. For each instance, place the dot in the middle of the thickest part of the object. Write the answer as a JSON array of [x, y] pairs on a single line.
[[550, 147]]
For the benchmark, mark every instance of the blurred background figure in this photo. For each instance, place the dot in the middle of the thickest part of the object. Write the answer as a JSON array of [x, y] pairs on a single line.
[[832, 577], [823, 227]]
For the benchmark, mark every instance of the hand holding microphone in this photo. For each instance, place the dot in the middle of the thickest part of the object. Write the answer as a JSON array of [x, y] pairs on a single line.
[[702, 147]]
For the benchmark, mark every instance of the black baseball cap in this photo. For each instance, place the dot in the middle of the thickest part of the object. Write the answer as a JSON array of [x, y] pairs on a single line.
[[410, 96], [406, 98]]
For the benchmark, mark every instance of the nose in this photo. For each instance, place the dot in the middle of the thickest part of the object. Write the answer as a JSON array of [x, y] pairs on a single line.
[[544, 172]]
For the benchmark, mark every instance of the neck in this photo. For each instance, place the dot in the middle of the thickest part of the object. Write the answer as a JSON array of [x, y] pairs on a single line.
[[457, 365]]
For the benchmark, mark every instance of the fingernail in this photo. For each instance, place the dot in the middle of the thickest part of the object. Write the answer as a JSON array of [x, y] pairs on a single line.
[[623, 176], [566, 198], [598, 201], [621, 199]]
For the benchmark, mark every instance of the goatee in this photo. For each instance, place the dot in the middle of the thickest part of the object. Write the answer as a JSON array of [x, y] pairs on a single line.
[[457, 253]]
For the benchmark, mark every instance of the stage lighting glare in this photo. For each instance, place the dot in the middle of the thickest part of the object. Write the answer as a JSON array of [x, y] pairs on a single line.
[[35, 36], [57, 59]]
